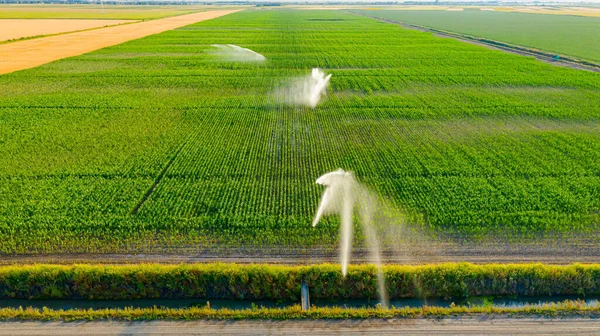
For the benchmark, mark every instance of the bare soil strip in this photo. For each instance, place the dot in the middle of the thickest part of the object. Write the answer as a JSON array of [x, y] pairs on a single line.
[[31, 53], [408, 255], [497, 45], [483, 325], [12, 29]]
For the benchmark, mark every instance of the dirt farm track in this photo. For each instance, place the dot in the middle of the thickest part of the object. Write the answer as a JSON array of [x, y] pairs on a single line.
[[460, 326], [425, 252], [31, 53]]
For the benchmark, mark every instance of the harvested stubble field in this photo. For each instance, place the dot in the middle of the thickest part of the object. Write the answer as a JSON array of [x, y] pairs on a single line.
[[553, 10], [89, 11], [155, 143], [12, 29], [34, 52]]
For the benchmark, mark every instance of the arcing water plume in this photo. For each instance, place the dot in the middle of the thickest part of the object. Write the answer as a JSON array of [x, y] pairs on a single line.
[[306, 91], [342, 195], [318, 86], [339, 197], [231, 52]]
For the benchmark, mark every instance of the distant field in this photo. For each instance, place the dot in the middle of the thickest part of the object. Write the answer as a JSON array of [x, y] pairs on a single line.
[[155, 143], [114, 12], [551, 10], [11, 29], [34, 52], [562, 34]]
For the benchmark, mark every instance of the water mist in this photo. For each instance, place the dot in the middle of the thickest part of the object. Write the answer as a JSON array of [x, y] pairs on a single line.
[[305, 91], [233, 53], [342, 196]]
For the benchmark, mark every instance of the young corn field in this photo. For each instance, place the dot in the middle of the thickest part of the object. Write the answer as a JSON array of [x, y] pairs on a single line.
[[157, 142]]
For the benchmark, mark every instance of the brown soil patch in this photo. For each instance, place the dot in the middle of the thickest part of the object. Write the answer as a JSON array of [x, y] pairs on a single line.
[[31, 53], [11, 29]]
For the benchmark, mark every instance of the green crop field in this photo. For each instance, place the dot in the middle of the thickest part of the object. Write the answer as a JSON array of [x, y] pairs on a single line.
[[564, 34], [156, 143], [86, 11]]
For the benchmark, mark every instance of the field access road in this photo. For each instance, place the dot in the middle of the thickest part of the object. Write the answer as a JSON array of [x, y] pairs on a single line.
[[425, 252], [31, 53], [455, 326]]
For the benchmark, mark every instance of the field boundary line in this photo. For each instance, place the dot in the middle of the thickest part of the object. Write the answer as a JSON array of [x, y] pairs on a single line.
[[547, 57], [31, 53], [158, 179]]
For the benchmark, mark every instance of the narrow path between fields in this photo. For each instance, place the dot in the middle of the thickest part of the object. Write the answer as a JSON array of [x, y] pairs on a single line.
[[484, 325], [31, 53], [413, 255]]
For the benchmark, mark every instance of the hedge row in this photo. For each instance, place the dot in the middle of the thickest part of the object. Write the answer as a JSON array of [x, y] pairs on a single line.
[[233, 281]]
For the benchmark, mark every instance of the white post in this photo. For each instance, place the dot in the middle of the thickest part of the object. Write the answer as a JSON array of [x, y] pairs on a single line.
[[305, 300]]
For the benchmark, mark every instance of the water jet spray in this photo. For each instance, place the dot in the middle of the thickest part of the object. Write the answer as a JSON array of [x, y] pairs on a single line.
[[233, 53], [318, 86], [307, 91], [343, 194]]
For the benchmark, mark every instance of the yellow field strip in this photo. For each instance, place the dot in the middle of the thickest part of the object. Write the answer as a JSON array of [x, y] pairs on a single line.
[[31, 53], [12, 29]]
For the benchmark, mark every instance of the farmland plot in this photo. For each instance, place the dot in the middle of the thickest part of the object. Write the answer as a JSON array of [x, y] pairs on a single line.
[[564, 34], [156, 143], [18, 29]]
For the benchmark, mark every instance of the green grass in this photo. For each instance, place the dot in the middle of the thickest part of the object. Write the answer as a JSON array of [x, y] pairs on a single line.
[[459, 138], [86, 11], [562, 34], [563, 309]]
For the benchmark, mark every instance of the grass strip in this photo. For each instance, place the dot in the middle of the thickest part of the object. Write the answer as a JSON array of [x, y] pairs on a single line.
[[561, 309]]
